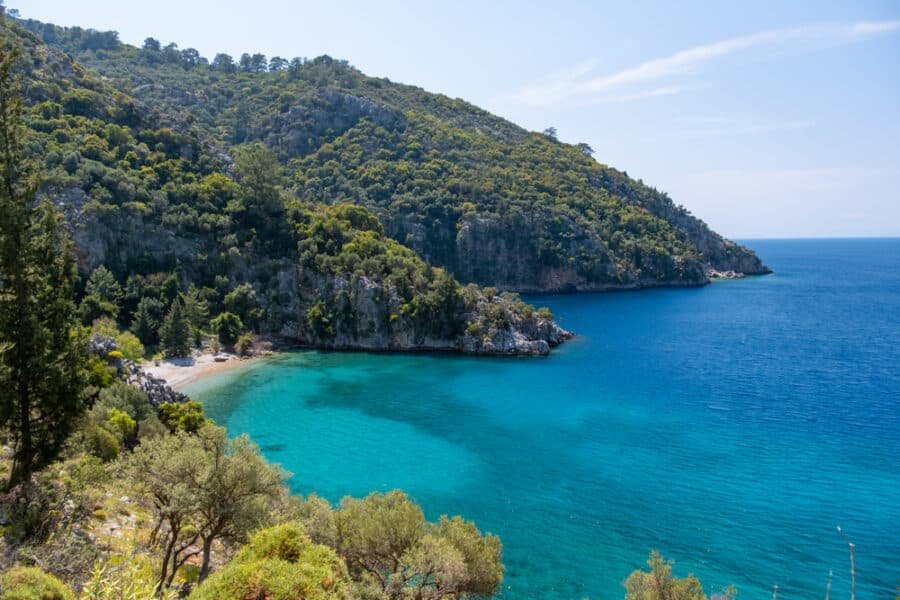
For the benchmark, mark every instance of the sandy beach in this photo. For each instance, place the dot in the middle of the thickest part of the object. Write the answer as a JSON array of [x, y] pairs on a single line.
[[180, 372]]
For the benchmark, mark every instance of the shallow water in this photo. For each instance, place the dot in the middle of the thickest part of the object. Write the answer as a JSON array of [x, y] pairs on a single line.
[[732, 427]]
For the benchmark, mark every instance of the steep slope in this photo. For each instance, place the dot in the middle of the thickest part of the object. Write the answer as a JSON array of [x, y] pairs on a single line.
[[468, 191], [171, 215]]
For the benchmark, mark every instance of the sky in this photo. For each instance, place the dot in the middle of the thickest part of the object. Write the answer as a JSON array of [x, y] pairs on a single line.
[[765, 119]]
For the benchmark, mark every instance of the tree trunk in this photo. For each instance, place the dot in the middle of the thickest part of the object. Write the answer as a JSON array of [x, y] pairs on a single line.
[[167, 556], [207, 550]]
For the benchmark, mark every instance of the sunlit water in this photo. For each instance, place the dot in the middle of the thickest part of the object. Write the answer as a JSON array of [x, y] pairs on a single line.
[[732, 427]]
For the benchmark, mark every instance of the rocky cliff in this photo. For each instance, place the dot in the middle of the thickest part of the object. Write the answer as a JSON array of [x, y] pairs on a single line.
[[357, 312]]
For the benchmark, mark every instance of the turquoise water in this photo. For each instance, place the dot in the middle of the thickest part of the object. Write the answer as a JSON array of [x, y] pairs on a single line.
[[732, 427]]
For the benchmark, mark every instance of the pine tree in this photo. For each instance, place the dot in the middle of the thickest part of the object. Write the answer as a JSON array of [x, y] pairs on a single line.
[[175, 333], [43, 375], [102, 295], [146, 320]]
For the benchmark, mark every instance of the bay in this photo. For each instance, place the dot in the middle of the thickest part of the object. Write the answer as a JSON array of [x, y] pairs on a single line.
[[732, 427]]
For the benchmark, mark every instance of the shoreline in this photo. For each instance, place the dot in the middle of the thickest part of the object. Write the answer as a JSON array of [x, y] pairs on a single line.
[[178, 373]]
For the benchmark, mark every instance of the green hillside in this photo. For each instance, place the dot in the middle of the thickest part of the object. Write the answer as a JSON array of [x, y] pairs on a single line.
[[491, 202]]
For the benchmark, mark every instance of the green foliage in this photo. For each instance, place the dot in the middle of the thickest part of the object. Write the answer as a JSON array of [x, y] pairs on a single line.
[[187, 417], [660, 584], [175, 332], [196, 309], [42, 351], [319, 321], [147, 320], [318, 574], [104, 327], [125, 412], [127, 581], [285, 541], [122, 424], [348, 241], [204, 483], [279, 563], [30, 583], [228, 327], [242, 301], [220, 193], [389, 547], [244, 345], [102, 295], [99, 373], [39, 516], [130, 346], [93, 307], [125, 398], [101, 442]]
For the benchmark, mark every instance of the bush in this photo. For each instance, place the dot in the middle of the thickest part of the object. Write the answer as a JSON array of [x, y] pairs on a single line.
[[244, 345], [101, 443], [130, 346], [659, 584], [228, 327], [279, 563], [100, 374], [30, 583], [182, 417], [285, 541]]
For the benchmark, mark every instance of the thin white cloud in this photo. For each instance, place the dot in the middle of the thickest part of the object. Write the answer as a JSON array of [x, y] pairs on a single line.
[[875, 27], [670, 90], [580, 81]]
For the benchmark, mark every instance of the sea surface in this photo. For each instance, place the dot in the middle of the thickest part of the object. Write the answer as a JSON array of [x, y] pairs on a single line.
[[732, 427]]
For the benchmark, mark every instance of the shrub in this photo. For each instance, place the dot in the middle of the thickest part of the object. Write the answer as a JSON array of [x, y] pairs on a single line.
[[100, 374], [244, 345], [30, 583], [182, 417], [285, 541], [228, 327], [122, 424], [130, 346], [101, 443], [279, 563], [659, 584]]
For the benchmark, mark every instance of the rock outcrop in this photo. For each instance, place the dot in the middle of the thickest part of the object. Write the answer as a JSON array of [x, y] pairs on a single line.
[[157, 390], [359, 313]]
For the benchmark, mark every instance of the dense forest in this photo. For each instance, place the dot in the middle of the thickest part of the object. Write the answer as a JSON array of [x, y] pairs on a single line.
[[492, 203], [170, 224]]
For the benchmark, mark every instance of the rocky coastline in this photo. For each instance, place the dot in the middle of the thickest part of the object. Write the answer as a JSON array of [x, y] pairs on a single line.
[[158, 390]]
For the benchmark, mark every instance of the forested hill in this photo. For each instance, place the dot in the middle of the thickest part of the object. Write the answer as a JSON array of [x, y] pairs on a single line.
[[466, 190]]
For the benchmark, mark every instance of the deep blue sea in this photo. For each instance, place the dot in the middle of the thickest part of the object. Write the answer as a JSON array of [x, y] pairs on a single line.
[[732, 427]]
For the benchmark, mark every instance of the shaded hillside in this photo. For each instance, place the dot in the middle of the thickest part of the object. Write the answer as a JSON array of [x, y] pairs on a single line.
[[491, 202]]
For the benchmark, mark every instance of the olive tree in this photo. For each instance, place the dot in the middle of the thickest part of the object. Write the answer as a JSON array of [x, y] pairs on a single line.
[[202, 488], [390, 547], [660, 584]]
